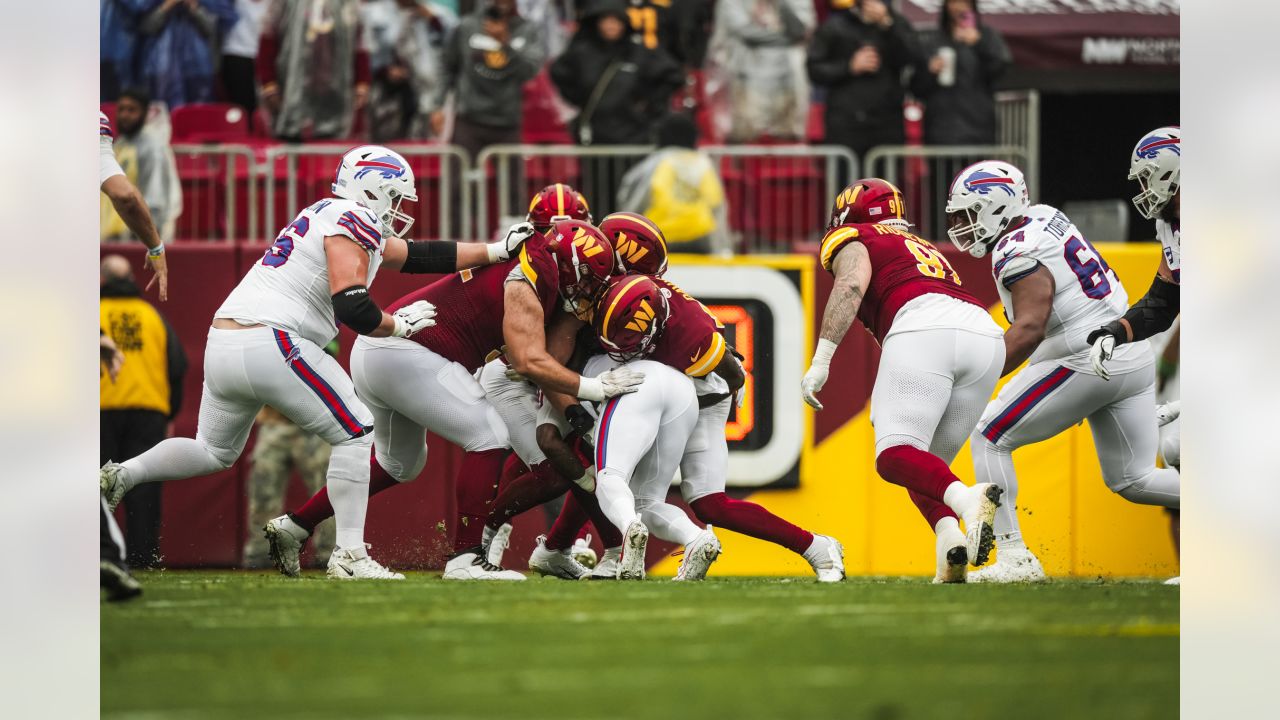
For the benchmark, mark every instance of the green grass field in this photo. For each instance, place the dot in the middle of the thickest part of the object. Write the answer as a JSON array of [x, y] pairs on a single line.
[[257, 645]]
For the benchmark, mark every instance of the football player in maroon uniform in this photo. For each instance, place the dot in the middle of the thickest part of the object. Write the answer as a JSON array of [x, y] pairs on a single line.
[[425, 382], [941, 355], [558, 201]]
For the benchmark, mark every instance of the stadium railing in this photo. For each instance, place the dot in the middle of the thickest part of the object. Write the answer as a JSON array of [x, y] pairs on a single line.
[[1018, 124], [776, 195], [924, 175], [220, 185], [293, 174]]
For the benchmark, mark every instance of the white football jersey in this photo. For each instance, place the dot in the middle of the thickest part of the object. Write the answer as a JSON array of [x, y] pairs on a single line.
[[288, 288], [107, 165], [1170, 235], [1087, 293]]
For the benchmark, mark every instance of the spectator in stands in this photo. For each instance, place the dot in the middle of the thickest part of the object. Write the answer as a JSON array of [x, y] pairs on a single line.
[[620, 88], [406, 58], [487, 61], [858, 55], [137, 407], [180, 47], [677, 187], [117, 43], [313, 73], [957, 82], [142, 149], [758, 52], [280, 448], [240, 53]]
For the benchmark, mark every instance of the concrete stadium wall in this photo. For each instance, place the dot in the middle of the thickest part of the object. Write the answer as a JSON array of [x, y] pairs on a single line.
[[1073, 522]]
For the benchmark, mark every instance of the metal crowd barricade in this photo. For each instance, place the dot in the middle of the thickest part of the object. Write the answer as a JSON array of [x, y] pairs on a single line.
[[924, 175], [775, 195], [297, 174], [219, 192], [1018, 124]]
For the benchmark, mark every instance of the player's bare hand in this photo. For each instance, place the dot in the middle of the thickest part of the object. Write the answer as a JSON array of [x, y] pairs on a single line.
[[1103, 348], [413, 318], [811, 384], [110, 356], [1168, 412], [160, 265]]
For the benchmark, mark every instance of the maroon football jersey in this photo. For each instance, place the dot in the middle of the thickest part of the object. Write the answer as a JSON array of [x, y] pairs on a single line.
[[903, 267], [691, 341], [469, 305]]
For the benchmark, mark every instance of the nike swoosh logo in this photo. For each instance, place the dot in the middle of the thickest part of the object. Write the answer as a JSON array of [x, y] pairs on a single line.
[[346, 570]]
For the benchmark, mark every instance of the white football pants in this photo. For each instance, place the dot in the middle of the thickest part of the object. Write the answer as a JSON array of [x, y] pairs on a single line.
[[1045, 399], [517, 404], [411, 390]]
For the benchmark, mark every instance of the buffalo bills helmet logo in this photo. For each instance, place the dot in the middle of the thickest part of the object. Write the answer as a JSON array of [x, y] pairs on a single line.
[[983, 183], [1152, 145], [386, 166]]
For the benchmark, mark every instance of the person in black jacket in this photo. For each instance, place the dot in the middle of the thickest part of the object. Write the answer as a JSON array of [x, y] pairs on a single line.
[[858, 55], [957, 75], [621, 89]]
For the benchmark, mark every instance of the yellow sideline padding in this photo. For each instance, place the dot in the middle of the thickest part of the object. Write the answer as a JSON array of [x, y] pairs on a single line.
[[1069, 519]]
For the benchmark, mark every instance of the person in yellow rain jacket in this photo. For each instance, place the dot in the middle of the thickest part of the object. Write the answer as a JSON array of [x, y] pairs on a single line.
[[678, 188], [137, 406]]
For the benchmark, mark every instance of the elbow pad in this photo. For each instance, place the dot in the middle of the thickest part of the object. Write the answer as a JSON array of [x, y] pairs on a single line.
[[354, 308], [439, 256], [1155, 312]]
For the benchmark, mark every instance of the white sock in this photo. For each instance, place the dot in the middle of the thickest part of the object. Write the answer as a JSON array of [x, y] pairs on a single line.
[[957, 497], [946, 524], [669, 523], [349, 490], [1010, 542], [176, 459], [615, 498], [294, 528], [817, 549]]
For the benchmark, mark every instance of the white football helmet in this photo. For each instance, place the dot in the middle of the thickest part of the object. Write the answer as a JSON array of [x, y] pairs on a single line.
[[379, 179], [1154, 164], [985, 199]]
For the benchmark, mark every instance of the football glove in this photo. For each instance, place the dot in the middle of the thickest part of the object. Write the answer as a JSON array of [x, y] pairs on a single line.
[[1168, 412], [816, 376], [1104, 346], [412, 318], [507, 247], [618, 381]]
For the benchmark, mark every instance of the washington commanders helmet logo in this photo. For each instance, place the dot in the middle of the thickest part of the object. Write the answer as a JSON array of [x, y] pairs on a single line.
[[642, 319], [629, 249]]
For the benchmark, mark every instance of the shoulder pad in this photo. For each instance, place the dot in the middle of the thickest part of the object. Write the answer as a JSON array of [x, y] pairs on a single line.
[[835, 239]]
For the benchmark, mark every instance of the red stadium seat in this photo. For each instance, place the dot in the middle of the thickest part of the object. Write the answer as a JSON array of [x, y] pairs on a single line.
[[210, 122]]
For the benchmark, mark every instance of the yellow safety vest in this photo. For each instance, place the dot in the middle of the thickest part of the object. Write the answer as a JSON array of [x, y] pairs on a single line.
[[140, 334]]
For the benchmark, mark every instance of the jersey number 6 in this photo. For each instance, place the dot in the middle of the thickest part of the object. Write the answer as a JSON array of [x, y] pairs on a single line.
[[278, 253], [1088, 266]]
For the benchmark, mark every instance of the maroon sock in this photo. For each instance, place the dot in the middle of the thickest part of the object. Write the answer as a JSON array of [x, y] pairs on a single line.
[[931, 509], [473, 492], [915, 470], [751, 519], [512, 468], [526, 492], [318, 509], [568, 524]]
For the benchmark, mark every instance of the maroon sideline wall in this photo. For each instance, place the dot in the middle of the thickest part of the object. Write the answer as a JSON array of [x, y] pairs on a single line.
[[204, 519]]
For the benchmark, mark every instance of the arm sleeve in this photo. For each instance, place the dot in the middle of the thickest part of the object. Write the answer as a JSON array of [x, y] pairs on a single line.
[[176, 361], [1155, 312]]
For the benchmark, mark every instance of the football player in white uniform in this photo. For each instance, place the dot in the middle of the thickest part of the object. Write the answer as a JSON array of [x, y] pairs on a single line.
[[1055, 288], [265, 343], [1155, 166]]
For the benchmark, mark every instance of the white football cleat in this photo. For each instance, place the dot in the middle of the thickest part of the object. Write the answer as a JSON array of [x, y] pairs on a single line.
[[355, 564], [285, 540], [472, 565], [634, 542], [1011, 566], [1174, 581], [607, 568], [826, 557], [583, 553], [495, 546], [556, 563], [953, 555], [698, 556], [111, 484], [980, 503]]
